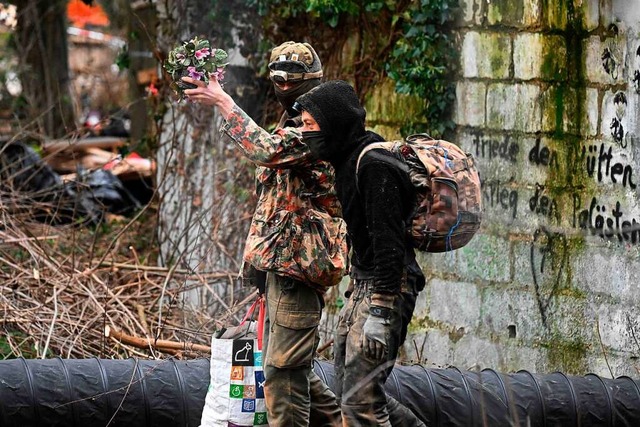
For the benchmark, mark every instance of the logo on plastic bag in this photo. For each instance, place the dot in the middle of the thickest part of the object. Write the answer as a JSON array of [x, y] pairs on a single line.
[[248, 405], [243, 353], [259, 375], [236, 391], [260, 418]]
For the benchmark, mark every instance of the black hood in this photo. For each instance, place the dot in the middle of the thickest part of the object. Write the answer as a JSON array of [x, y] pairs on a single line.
[[336, 108]]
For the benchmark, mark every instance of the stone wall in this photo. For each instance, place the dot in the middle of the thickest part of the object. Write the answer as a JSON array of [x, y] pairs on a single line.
[[547, 102]]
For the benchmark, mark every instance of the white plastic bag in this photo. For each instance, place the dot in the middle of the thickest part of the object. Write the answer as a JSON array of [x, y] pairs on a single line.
[[236, 392]]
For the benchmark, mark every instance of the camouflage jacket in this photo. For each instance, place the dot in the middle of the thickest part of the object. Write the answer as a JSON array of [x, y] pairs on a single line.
[[297, 229]]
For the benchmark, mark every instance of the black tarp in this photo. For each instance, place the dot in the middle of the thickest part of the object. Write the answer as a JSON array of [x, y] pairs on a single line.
[[28, 184]]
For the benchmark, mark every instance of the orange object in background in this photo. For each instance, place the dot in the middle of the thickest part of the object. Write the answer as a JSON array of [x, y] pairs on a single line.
[[80, 14]]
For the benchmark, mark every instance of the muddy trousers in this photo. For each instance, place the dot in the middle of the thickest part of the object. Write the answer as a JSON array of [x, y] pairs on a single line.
[[294, 393], [360, 379]]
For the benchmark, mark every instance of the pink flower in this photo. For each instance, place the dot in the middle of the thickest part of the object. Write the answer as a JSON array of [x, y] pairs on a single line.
[[219, 73], [194, 74], [202, 53], [180, 56]]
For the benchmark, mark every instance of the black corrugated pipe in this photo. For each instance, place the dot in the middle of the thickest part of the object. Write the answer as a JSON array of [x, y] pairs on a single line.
[[158, 393]]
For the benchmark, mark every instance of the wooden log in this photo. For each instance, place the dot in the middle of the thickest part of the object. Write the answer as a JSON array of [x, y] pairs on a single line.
[[109, 142], [160, 345]]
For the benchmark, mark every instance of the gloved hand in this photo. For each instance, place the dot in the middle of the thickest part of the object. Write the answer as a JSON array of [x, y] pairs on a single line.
[[260, 281], [375, 332], [251, 276]]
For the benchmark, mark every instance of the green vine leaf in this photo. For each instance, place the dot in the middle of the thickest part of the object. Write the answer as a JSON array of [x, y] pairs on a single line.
[[423, 62], [410, 41]]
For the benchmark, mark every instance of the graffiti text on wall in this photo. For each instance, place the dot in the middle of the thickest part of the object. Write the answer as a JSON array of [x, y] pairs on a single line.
[[543, 156], [601, 220], [491, 149], [607, 225], [597, 158], [496, 194], [543, 205], [592, 215]]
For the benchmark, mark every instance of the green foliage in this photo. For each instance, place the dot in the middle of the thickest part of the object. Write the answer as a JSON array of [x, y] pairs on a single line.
[[123, 60], [11, 340], [328, 11], [410, 41], [5, 349], [424, 60]]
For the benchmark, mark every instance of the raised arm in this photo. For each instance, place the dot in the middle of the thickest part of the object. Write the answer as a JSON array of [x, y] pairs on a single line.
[[282, 149]]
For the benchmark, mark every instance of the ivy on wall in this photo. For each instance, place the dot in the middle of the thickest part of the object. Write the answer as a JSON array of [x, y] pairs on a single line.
[[410, 41], [423, 61]]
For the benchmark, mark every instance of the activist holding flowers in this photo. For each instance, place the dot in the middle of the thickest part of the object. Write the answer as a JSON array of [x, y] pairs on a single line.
[[297, 236], [197, 60]]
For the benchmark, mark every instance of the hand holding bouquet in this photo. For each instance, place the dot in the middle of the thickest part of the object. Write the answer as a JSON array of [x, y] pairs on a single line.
[[196, 59]]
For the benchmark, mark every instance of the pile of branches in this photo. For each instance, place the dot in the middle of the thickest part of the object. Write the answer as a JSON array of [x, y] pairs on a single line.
[[76, 292]]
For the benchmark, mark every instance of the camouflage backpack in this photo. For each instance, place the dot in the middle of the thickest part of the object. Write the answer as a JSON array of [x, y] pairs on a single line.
[[448, 199]]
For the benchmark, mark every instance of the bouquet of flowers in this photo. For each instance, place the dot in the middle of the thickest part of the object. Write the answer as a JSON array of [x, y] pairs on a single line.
[[196, 59]]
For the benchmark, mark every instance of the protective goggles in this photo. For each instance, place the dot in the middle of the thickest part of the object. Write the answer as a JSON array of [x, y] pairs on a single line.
[[280, 76]]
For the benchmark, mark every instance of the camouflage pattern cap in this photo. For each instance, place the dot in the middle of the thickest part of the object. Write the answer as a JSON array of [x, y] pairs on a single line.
[[292, 61]]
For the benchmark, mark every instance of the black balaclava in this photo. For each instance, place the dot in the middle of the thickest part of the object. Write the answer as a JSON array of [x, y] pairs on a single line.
[[297, 63], [336, 108], [288, 97]]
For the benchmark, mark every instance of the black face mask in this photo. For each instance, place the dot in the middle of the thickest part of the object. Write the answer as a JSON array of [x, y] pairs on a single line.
[[288, 97], [316, 142]]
